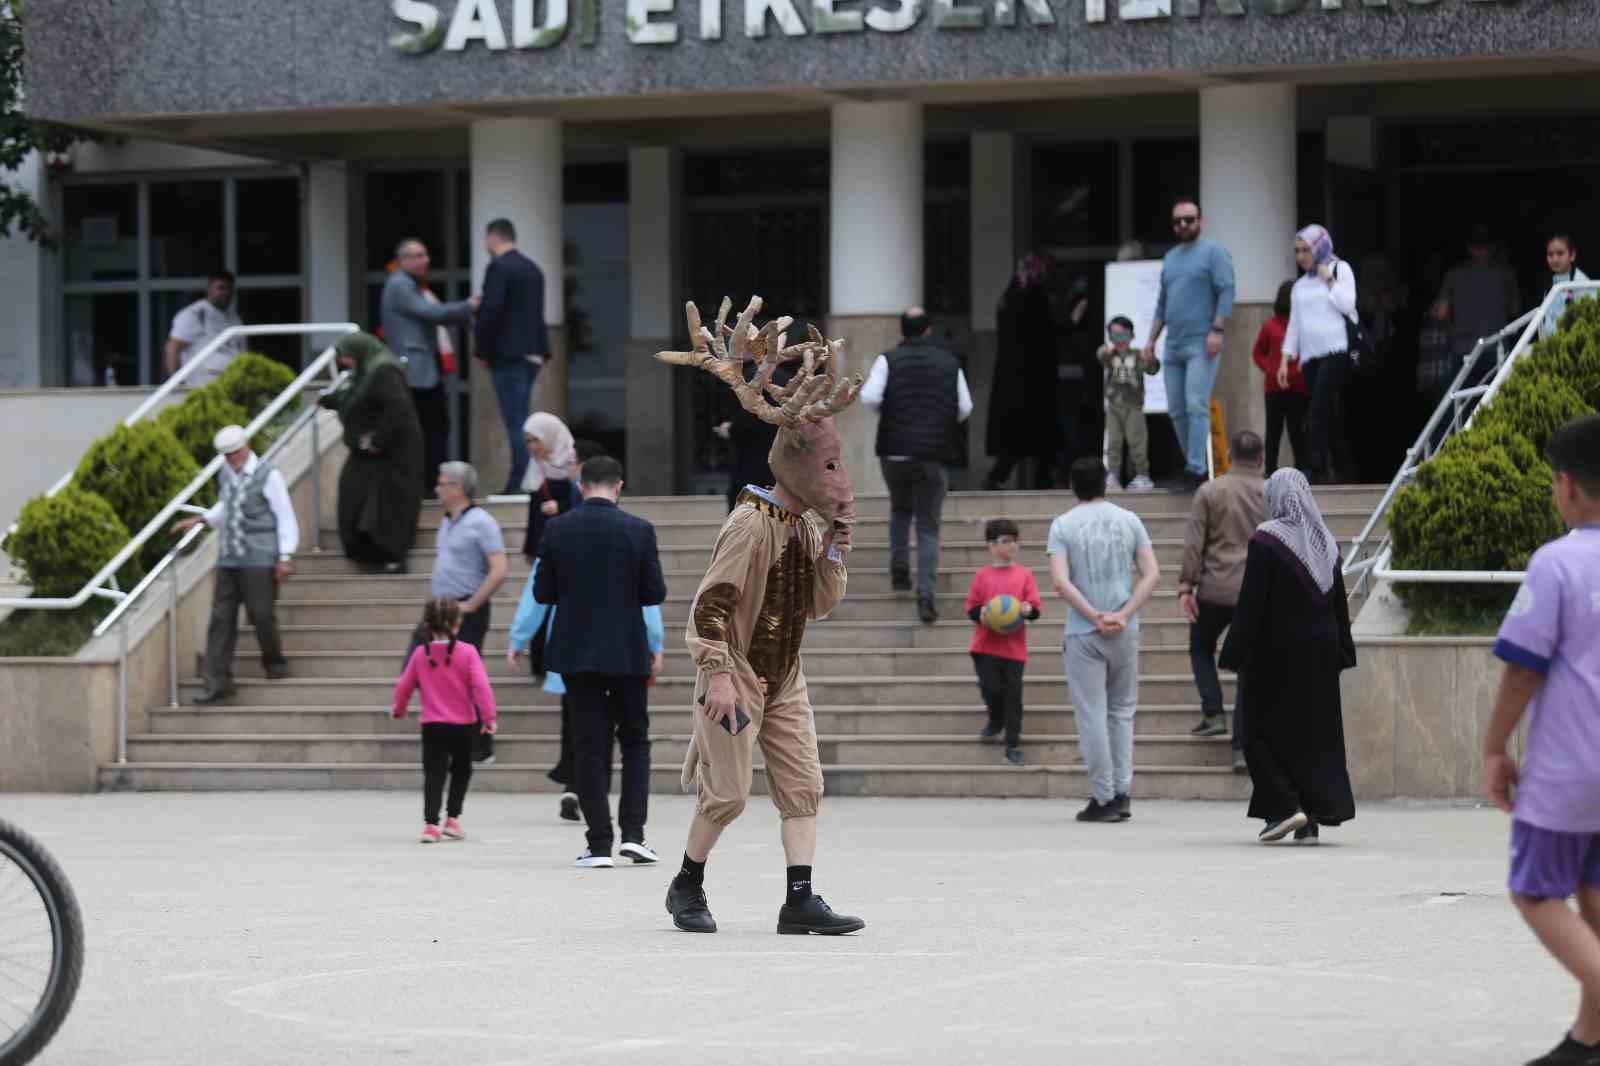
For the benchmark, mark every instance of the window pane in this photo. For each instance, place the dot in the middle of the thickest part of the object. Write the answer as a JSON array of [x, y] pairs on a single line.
[[186, 239], [102, 332], [401, 204], [1075, 195], [272, 307], [102, 232], [269, 226], [1162, 172]]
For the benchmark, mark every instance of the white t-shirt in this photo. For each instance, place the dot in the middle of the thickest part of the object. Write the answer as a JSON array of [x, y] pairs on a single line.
[[198, 324]]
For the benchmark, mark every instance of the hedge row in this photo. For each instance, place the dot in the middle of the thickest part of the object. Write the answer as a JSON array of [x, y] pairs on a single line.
[[1484, 502], [129, 475]]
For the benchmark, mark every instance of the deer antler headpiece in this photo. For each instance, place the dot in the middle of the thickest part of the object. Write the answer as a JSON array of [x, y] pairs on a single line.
[[814, 393]]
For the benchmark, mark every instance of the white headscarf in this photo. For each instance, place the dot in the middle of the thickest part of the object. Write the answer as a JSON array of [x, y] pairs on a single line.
[[1297, 524], [561, 464]]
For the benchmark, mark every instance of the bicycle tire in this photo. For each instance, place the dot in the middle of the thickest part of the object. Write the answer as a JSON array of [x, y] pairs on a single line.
[[66, 927]]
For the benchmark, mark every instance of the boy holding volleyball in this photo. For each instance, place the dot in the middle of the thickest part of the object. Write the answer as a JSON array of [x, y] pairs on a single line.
[[1003, 597]]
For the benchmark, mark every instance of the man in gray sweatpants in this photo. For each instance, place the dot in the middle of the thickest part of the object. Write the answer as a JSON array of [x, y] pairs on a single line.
[[1102, 564]]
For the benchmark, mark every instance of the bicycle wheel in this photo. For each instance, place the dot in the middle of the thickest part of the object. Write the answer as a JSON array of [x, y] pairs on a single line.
[[41, 946]]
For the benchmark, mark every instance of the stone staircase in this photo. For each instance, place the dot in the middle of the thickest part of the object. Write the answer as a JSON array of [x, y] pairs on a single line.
[[897, 707]]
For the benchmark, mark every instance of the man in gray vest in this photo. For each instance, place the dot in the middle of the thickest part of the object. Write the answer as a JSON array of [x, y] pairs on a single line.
[[920, 394], [258, 537]]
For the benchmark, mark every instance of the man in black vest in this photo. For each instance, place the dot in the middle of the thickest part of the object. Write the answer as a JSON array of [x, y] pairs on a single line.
[[920, 394]]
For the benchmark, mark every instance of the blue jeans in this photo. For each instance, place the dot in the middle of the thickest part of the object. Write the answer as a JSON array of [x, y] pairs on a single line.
[[513, 387], [1190, 375]]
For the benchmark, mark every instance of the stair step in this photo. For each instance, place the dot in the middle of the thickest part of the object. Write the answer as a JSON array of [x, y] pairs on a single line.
[[998, 782]]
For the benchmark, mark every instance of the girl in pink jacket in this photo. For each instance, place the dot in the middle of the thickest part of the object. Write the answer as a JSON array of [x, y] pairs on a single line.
[[457, 704]]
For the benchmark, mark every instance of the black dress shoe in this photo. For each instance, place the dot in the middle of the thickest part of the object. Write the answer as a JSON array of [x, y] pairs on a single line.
[[210, 696], [1124, 806], [927, 611], [687, 905], [815, 916], [278, 672], [900, 580]]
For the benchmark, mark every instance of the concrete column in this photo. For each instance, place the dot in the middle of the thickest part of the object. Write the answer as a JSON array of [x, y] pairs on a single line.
[[1247, 191], [516, 175], [653, 316], [874, 251], [22, 265], [994, 225], [328, 269]]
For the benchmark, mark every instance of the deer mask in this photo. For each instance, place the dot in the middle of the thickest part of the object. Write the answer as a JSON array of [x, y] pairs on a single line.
[[807, 458]]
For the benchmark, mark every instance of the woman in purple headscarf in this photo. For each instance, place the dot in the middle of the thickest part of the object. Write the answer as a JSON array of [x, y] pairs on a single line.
[[1321, 303], [1289, 641]]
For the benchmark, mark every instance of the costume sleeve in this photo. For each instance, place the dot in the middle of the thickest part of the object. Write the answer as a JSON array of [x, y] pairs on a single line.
[[831, 575], [736, 561], [406, 685], [478, 685], [1250, 616]]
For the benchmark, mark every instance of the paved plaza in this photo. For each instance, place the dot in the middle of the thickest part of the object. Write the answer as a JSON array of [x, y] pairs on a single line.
[[308, 928]]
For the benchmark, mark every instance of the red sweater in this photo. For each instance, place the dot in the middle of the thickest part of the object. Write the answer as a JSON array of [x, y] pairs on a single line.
[[456, 692], [991, 581], [1269, 353]]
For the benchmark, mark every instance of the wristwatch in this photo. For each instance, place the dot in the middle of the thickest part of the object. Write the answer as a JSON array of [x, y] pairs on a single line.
[[1219, 331]]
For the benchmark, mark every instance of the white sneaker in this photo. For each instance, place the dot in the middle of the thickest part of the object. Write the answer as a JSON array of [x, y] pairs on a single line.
[[590, 861], [1112, 484], [639, 853], [1141, 484]]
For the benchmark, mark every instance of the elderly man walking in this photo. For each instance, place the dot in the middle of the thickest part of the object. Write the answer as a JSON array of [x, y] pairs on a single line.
[[411, 318], [471, 561], [1193, 307], [259, 535], [1222, 519], [920, 394]]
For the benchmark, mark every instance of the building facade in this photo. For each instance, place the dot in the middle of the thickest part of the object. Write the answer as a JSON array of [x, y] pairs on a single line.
[[843, 158]]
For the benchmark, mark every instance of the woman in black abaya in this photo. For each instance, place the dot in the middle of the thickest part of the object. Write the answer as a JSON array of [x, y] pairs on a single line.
[[1289, 641]]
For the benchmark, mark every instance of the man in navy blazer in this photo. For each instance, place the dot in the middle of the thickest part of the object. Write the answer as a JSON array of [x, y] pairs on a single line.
[[599, 566], [512, 339]]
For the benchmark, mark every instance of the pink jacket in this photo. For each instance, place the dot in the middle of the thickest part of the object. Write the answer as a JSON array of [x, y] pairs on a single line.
[[456, 692]]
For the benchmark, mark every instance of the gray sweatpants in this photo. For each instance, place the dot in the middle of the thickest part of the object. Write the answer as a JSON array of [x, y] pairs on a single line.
[[1103, 676]]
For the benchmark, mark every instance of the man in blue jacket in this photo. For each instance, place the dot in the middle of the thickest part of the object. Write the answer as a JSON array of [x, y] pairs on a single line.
[[599, 564], [1195, 303], [513, 341]]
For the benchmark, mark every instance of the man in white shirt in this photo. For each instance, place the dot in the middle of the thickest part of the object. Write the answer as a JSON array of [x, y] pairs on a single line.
[[197, 324], [920, 394], [259, 535]]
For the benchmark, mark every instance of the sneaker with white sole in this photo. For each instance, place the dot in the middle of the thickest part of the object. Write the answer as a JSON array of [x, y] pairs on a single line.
[[453, 830], [639, 852], [569, 807], [1113, 484], [590, 861], [1141, 483], [1276, 831], [430, 835]]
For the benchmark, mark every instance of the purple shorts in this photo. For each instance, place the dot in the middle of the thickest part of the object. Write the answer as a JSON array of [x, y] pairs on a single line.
[[1547, 864]]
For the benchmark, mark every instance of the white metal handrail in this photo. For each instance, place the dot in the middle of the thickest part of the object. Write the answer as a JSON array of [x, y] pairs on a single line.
[[1369, 555]]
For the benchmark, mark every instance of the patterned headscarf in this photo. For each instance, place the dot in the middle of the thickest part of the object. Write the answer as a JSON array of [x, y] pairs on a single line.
[[1320, 243], [561, 464], [1297, 524], [1031, 270]]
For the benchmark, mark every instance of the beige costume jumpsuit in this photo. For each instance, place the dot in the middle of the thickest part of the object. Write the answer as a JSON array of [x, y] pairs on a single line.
[[767, 576]]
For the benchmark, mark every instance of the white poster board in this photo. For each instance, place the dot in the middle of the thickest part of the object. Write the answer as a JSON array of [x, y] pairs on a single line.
[[1131, 290]]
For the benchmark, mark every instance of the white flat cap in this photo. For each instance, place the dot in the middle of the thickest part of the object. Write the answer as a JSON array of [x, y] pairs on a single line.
[[229, 439]]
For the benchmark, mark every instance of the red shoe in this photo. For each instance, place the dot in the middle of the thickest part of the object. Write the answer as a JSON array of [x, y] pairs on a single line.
[[430, 834], [453, 830]]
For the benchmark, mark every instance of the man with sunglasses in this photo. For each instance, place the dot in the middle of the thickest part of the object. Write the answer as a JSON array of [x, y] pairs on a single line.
[[1193, 307]]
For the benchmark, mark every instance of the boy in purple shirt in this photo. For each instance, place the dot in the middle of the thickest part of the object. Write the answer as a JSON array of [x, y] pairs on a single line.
[[1552, 656]]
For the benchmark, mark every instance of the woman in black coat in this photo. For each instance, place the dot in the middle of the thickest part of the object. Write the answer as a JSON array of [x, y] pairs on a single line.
[[1289, 641], [1023, 404], [379, 487]]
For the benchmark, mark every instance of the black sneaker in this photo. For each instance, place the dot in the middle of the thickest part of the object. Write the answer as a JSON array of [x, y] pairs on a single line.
[[1014, 757], [1212, 725], [1100, 812], [1282, 827], [1123, 805], [569, 807], [277, 671], [815, 916], [216, 695], [1306, 834], [1569, 1053], [900, 580], [687, 905], [989, 732]]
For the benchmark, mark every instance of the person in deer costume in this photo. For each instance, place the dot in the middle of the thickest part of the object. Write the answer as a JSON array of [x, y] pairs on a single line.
[[779, 560]]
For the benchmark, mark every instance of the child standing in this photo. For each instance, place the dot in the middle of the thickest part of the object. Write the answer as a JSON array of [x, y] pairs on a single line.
[[1553, 673], [1126, 370], [1288, 398], [457, 704], [1000, 658], [1561, 256]]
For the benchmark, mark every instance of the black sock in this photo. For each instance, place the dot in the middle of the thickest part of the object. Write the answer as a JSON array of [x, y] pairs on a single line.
[[692, 873], [799, 885]]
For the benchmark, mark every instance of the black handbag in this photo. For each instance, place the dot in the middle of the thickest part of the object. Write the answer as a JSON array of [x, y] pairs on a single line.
[[1358, 343], [482, 744]]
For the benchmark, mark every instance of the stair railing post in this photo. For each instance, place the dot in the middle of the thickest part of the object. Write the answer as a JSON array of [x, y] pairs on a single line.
[[316, 486], [122, 691], [172, 635]]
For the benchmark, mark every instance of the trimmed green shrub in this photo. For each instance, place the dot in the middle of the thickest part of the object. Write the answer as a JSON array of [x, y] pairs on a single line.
[[252, 381], [196, 420], [138, 470], [1573, 353], [61, 541], [1534, 406]]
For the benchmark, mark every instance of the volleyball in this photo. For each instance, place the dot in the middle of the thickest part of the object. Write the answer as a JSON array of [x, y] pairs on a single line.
[[1004, 614]]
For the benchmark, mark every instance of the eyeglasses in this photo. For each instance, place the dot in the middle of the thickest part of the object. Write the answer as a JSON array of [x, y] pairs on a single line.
[[1119, 335], [1185, 220]]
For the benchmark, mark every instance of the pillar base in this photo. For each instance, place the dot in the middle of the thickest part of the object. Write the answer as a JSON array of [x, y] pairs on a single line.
[[489, 451]]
